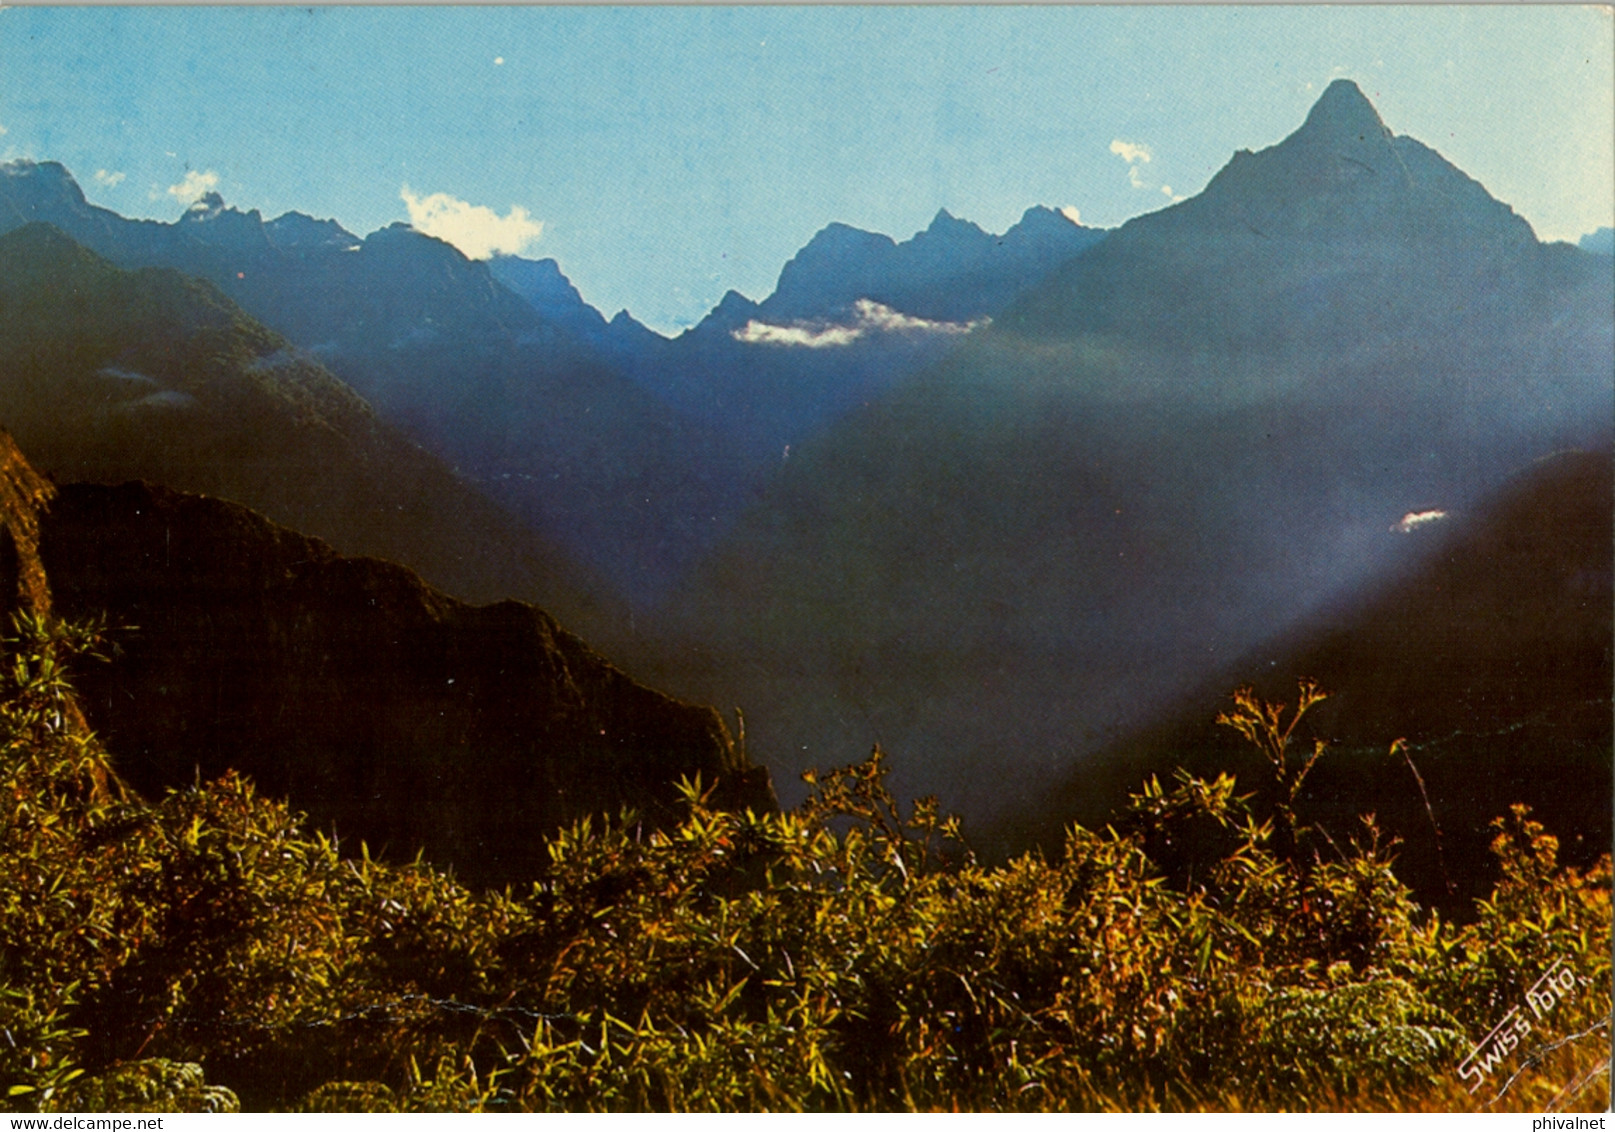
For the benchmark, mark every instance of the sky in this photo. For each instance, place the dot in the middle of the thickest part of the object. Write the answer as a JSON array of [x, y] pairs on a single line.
[[666, 155]]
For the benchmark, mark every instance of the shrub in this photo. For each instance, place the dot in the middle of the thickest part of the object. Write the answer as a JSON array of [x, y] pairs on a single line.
[[852, 954]]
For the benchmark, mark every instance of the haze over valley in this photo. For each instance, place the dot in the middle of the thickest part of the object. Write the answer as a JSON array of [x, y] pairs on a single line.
[[713, 558], [993, 502]]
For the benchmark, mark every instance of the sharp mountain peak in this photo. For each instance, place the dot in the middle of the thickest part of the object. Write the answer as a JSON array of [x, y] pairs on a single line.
[[1342, 112]]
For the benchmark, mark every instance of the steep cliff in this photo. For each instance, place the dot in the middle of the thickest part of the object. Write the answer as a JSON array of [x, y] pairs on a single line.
[[376, 704]]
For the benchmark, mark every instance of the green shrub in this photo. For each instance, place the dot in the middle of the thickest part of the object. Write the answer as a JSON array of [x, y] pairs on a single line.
[[1202, 952]]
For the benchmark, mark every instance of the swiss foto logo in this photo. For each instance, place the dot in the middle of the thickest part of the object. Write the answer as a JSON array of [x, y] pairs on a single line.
[[1495, 1048]]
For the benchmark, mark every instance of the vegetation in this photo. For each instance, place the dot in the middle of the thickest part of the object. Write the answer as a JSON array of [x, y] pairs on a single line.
[[202, 951]]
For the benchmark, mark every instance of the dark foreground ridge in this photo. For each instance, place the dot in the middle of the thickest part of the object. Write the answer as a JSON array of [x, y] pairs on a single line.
[[372, 701]]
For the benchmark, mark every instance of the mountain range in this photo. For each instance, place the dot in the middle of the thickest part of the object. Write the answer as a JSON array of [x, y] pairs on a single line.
[[628, 452], [1001, 504], [113, 374], [852, 314], [513, 404], [1177, 446]]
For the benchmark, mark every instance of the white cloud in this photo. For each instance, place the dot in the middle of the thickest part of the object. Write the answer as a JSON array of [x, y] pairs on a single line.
[[877, 316], [870, 318], [194, 187], [1136, 155], [1131, 153], [3, 131], [108, 180], [756, 333], [1071, 214], [476, 230], [1413, 520]]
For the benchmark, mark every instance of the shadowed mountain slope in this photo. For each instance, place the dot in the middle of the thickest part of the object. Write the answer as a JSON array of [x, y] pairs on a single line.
[[1489, 653], [1179, 445], [526, 411], [852, 314], [109, 375], [632, 452], [371, 701]]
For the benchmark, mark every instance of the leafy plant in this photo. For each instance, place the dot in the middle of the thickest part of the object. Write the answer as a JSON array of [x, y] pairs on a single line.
[[201, 950]]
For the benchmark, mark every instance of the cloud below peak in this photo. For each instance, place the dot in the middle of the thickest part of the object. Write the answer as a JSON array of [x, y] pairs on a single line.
[[870, 317], [476, 230], [110, 180]]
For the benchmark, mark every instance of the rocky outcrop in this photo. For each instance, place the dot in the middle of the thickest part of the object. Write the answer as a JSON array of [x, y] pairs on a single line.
[[24, 493]]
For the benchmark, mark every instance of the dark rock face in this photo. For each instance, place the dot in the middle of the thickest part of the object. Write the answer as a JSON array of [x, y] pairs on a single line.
[[373, 702]]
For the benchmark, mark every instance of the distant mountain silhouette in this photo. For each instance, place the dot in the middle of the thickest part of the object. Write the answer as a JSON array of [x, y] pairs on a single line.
[[1178, 445], [853, 314], [540, 283], [107, 375], [631, 451], [310, 280], [1490, 653], [1342, 236], [518, 404], [889, 308], [951, 272], [370, 700], [743, 369], [1602, 242]]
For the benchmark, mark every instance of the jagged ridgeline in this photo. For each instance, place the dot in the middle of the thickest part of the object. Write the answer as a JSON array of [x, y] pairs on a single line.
[[632, 451]]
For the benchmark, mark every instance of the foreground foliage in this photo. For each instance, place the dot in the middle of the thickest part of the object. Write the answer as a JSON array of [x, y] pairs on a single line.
[[202, 951]]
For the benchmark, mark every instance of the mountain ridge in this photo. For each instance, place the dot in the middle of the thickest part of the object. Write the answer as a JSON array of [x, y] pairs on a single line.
[[1174, 446], [354, 689], [158, 375]]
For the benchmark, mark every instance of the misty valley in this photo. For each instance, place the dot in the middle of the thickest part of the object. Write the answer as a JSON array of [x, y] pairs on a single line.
[[1165, 666]]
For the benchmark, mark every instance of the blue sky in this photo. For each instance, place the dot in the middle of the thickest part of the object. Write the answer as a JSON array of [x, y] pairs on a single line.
[[666, 155]]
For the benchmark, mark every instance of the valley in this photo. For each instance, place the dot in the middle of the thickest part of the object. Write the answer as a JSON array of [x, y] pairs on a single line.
[[466, 666]]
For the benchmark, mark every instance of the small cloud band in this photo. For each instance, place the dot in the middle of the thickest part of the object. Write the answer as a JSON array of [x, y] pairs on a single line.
[[870, 318]]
